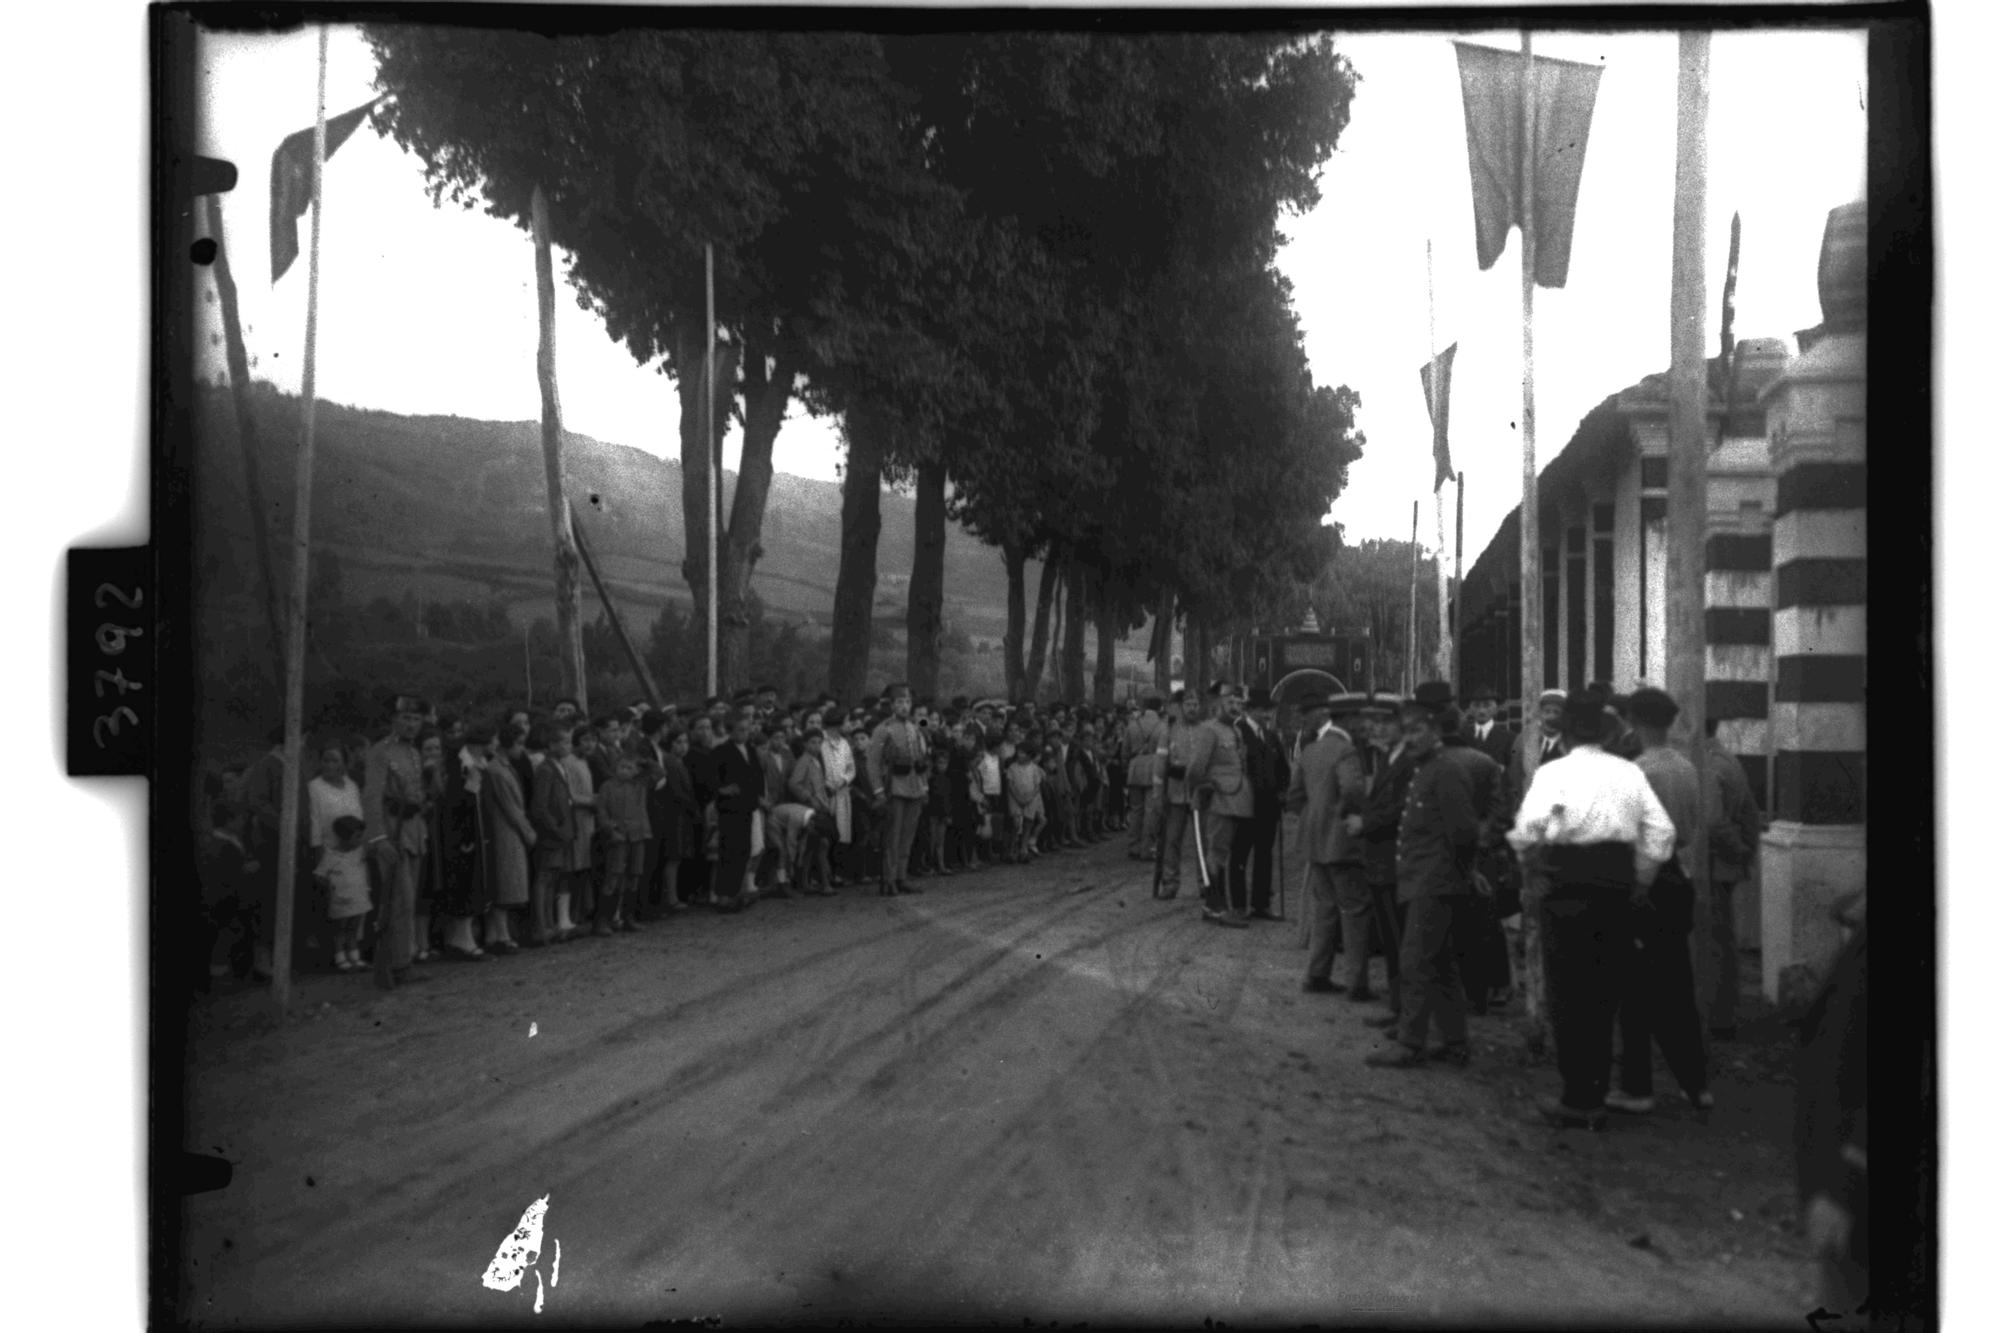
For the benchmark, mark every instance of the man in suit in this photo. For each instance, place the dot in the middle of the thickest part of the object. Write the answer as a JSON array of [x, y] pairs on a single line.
[[1484, 729], [1544, 731], [1215, 772], [1327, 789], [1390, 764], [898, 775], [1270, 776], [738, 776]]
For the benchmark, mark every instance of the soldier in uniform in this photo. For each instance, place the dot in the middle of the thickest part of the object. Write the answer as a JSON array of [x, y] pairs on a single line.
[[392, 804], [899, 776], [1327, 788], [1216, 772], [1143, 735], [1176, 751]]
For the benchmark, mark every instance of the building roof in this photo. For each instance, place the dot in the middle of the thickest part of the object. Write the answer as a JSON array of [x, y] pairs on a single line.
[[1604, 434]]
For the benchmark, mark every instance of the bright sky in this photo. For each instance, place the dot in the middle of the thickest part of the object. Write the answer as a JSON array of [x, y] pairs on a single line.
[[427, 310]]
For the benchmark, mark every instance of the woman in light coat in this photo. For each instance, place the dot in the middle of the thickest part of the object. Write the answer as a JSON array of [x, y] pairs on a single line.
[[837, 765]]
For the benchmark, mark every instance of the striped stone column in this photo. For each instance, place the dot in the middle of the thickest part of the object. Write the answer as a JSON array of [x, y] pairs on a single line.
[[1814, 853]]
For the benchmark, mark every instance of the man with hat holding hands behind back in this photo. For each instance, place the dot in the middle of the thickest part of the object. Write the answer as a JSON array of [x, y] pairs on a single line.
[[1603, 836], [1171, 760], [1328, 787], [392, 804], [1483, 729], [1270, 776]]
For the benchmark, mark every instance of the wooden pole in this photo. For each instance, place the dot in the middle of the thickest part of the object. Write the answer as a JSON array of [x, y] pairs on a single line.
[[1687, 442], [528, 658], [715, 465], [569, 593], [1458, 591], [1410, 639], [1533, 980], [295, 651], [246, 439], [639, 668]]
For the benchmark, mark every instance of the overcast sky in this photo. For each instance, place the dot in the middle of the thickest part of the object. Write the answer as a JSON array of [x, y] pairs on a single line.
[[432, 310]]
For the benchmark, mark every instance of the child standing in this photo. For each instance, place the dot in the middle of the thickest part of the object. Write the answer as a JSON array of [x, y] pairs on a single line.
[[343, 872], [621, 819], [1024, 803], [987, 790], [937, 808]]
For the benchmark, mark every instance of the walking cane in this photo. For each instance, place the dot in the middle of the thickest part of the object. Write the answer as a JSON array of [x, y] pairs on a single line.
[[1281, 866], [1159, 843], [1200, 852]]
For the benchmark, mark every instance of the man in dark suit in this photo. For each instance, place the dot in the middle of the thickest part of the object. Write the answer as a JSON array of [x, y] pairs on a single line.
[[1545, 732], [738, 775], [1327, 788], [1483, 730], [1269, 773]]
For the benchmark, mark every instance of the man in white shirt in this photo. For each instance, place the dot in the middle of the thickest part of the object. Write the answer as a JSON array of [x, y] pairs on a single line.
[[1602, 835]]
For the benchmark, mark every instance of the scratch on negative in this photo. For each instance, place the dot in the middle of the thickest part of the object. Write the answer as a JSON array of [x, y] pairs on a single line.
[[533, 1028], [555, 1270], [519, 1250]]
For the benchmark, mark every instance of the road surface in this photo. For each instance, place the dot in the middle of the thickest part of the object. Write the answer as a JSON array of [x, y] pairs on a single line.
[[1033, 1093]]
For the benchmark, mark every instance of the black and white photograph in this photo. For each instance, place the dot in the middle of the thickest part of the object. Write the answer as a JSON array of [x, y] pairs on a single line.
[[936, 666]]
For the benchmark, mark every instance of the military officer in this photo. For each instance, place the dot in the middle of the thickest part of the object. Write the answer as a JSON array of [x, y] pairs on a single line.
[[1216, 772], [1143, 735], [1270, 777], [899, 774], [1171, 759], [392, 806]]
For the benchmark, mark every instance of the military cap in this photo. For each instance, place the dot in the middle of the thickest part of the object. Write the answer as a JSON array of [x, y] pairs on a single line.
[[1653, 708]]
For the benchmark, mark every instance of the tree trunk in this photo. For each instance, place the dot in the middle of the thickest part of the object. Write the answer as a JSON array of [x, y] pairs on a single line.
[[569, 595], [1038, 648], [766, 393], [926, 631], [1163, 660], [854, 587], [1104, 685], [1016, 558], [1076, 624], [1195, 669], [697, 463]]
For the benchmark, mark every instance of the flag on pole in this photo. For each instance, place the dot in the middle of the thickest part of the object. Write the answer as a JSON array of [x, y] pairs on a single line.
[[291, 183], [1436, 375], [1565, 95]]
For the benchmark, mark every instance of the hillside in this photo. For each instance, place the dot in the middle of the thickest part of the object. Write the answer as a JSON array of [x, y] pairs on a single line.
[[452, 507]]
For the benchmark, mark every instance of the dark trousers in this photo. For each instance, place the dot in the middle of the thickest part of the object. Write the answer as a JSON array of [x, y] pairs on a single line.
[[1219, 835], [732, 855], [899, 835], [1387, 919], [1250, 857], [1586, 939], [1432, 987], [1657, 1003], [1482, 952]]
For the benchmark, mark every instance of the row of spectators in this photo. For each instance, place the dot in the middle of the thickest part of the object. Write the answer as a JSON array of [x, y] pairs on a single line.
[[536, 829]]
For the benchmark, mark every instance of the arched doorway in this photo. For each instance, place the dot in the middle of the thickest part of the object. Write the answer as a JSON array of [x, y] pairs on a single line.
[[1293, 685]]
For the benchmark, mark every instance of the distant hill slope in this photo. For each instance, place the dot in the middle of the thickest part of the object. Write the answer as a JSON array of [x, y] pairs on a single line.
[[456, 507]]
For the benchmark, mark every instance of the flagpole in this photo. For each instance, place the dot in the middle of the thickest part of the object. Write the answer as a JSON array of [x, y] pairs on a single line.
[[1439, 390], [295, 649], [1410, 652], [1458, 589], [1533, 880], [715, 463]]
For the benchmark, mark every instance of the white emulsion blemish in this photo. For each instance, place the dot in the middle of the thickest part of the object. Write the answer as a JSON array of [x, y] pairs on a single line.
[[533, 1029], [555, 1271], [521, 1249], [538, 1291]]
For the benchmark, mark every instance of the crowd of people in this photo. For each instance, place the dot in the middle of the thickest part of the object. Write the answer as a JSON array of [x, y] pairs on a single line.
[[449, 839]]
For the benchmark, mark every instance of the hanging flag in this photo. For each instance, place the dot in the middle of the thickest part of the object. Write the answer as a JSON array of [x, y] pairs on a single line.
[[291, 183], [1436, 375], [1565, 96]]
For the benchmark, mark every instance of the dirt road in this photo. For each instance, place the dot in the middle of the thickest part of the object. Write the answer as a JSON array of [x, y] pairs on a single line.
[[1032, 1093]]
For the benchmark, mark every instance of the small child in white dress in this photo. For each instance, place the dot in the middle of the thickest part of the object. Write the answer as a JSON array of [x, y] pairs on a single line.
[[343, 871]]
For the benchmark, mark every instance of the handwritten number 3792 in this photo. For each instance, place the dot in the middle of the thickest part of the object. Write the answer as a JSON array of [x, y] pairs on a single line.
[[111, 642]]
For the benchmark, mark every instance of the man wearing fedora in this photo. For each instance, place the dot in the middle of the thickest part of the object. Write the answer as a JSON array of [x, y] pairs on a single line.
[[1390, 764], [1270, 775], [1450, 798], [1483, 728], [1328, 787], [392, 806], [1601, 836]]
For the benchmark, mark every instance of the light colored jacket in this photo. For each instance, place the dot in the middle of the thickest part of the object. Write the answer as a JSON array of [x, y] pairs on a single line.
[[1218, 763], [1328, 784]]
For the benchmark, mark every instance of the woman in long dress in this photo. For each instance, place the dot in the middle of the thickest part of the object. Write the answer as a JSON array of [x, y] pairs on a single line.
[[678, 829], [458, 843], [837, 764]]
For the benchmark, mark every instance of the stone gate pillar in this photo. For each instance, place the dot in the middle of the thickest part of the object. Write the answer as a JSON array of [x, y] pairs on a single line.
[[1814, 854]]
